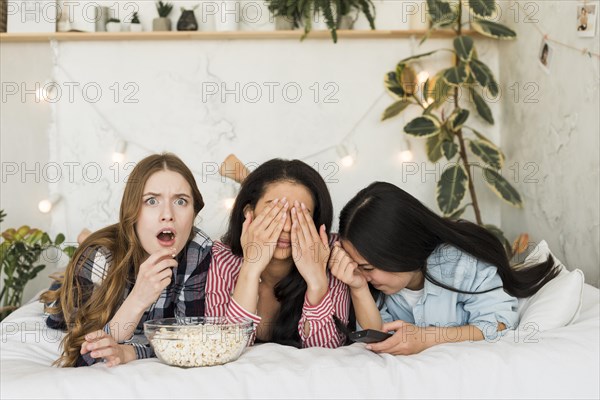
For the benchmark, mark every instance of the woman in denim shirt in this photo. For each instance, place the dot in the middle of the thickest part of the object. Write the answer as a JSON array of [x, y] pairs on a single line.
[[429, 279]]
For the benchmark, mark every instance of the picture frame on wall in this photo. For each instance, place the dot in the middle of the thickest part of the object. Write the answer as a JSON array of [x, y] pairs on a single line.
[[586, 19]]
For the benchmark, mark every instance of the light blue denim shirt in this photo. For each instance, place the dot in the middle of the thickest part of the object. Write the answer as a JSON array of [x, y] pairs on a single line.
[[444, 308]]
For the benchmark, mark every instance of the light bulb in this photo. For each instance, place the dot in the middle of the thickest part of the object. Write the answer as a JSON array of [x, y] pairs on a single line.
[[229, 202], [46, 205], [405, 156], [347, 161], [119, 153]]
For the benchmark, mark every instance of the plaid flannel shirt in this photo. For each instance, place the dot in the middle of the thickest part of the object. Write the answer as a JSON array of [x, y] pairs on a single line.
[[184, 296]]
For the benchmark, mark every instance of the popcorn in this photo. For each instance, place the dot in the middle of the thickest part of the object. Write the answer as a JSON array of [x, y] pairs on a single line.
[[200, 345]]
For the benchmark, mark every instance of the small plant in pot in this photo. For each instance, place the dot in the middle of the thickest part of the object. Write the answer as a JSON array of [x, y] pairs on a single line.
[[162, 23], [136, 25], [113, 25]]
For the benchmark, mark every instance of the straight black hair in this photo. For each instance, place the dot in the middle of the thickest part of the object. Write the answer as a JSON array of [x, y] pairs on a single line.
[[395, 232], [290, 291]]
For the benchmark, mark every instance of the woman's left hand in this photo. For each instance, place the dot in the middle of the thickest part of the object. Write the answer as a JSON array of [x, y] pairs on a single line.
[[103, 345], [408, 339], [310, 249]]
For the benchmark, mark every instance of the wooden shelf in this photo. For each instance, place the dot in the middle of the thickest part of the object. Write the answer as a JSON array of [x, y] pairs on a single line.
[[238, 35]]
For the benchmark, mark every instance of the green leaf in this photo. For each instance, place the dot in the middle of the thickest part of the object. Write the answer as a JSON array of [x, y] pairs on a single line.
[[395, 109], [408, 78], [457, 214], [69, 251], [451, 189], [483, 109], [393, 85], [433, 146], [423, 126], [404, 61], [492, 29], [464, 47], [438, 90], [484, 76], [457, 119], [502, 188], [60, 238], [441, 13], [488, 153], [456, 75], [494, 230], [449, 149], [484, 8]]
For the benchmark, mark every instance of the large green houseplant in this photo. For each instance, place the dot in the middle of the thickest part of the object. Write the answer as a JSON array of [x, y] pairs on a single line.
[[20, 253], [446, 116], [303, 12]]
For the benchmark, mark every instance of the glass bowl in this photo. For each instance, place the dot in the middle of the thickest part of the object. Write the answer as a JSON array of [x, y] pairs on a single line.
[[198, 341]]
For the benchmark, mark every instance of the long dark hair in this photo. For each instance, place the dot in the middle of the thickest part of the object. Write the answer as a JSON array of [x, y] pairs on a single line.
[[291, 289], [395, 232]]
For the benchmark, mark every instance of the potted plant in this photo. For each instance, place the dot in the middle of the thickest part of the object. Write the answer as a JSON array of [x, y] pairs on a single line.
[[136, 25], [113, 25], [334, 12], [447, 121], [20, 253], [162, 23]]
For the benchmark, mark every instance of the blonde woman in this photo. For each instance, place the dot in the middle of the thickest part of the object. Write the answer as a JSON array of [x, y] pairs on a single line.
[[152, 264]]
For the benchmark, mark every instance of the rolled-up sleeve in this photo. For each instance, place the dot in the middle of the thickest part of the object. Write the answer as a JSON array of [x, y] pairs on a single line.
[[486, 310]]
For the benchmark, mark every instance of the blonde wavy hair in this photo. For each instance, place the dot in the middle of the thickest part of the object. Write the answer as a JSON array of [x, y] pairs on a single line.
[[121, 240]]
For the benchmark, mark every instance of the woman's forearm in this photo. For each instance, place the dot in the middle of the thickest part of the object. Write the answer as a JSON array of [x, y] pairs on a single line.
[[122, 325], [367, 313], [246, 289]]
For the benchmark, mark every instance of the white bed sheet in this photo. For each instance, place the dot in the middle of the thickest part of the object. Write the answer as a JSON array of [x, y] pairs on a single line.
[[559, 363]]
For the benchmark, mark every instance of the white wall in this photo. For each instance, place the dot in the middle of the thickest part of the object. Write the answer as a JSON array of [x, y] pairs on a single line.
[[550, 135]]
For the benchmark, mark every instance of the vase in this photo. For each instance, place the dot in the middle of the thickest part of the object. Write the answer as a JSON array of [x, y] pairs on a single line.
[[135, 27], [161, 24], [113, 27], [187, 21], [283, 23]]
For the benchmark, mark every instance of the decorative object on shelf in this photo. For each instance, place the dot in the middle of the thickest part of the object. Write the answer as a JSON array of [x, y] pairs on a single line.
[[102, 15], [20, 253], [162, 23], [113, 25], [3, 15], [444, 118], [187, 21], [227, 18], [136, 25], [63, 24], [306, 12]]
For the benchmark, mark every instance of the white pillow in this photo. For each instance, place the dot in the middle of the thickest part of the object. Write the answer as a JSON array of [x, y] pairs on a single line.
[[558, 302]]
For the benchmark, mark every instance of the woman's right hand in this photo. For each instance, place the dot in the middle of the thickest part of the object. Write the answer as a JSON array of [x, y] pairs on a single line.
[[153, 277], [260, 235], [345, 269]]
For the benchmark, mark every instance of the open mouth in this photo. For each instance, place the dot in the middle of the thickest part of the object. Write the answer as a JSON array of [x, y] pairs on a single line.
[[166, 237]]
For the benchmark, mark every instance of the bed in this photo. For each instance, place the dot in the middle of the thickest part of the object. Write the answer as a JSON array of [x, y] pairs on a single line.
[[555, 353]]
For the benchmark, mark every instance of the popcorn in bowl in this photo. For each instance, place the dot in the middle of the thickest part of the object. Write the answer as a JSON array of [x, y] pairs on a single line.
[[198, 341]]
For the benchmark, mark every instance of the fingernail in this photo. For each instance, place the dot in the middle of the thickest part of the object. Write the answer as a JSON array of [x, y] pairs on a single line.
[[284, 200], [368, 347], [303, 206]]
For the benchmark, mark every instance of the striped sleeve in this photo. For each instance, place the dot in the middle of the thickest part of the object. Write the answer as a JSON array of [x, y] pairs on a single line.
[[222, 277], [320, 318]]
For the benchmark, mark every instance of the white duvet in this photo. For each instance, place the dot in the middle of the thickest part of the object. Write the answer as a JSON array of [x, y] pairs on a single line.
[[558, 363]]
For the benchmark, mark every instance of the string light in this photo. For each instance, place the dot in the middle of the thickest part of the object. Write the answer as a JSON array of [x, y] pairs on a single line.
[[228, 203], [346, 159], [46, 205], [119, 153], [405, 154]]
